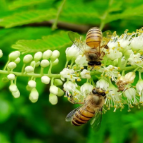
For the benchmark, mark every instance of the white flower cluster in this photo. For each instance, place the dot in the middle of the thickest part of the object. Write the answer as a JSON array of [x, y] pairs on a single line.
[[47, 59], [116, 76]]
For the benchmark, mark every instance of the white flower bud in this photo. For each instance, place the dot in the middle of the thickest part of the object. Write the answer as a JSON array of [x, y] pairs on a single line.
[[45, 79], [37, 64], [54, 89], [27, 59], [11, 65], [55, 55], [32, 83], [130, 76], [29, 69], [53, 99], [58, 82], [13, 88], [1, 53], [34, 95], [47, 54], [38, 56], [33, 63], [60, 92], [16, 94], [11, 76], [44, 63], [55, 62], [17, 60], [14, 55], [72, 52]]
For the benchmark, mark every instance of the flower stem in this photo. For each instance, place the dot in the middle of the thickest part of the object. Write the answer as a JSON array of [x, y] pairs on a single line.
[[140, 76], [23, 68], [30, 74], [6, 65], [49, 72], [66, 64], [54, 26]]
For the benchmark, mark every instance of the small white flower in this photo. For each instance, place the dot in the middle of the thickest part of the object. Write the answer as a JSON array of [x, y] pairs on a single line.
[[69, 86], [14, 55], [102, 84], [1, 53], [86, 88], [44, 63], [11, 65], [110, 71], [139, 87], [135, 59], [53, 99], [55, 62], [55, 55], [130, 94], [137, 43], [34, 95], [17, 60], [130, 76], [47, 54], [45, 79], [72, 52], [11, 76], [32, 83], [38, 56], [29, 69], [13, 88], [85, 74], [67, 73], [81, 61], [54, 89], [27, 59], [16, 94], [113, 97]]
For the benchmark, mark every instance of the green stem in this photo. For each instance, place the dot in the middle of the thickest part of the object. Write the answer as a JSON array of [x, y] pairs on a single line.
[[30, 74], [54, 26], [66, 64], [42, 69], [23, 68], [105, 16], [6, 65], [140, 75], [50, 68]]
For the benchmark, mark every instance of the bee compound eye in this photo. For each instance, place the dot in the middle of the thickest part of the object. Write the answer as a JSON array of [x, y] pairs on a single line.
[[103, 94], [94, 91], [98, 63], [91, 63]]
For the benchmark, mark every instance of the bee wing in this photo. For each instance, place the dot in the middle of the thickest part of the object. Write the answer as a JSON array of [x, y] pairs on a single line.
[[96, 120], [70, 114], [106, 36], [73, 36]]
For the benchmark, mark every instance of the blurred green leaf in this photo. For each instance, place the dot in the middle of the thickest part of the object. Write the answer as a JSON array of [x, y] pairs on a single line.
[[26, 17], [52, 42], [4, 139], [19, 3], [5, 110]]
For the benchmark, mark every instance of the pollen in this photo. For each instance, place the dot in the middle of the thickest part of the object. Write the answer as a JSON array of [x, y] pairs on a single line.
[[78, 79], [82, 68]]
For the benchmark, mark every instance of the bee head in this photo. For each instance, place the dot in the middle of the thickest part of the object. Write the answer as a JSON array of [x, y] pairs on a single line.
[[102, 93]]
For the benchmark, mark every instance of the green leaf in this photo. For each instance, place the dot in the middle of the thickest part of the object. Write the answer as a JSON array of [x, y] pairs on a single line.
[[127, 14], [52, 42], [19, 3], [27, 17]]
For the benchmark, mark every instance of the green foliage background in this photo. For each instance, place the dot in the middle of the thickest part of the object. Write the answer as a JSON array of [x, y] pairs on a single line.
[[26, 25]]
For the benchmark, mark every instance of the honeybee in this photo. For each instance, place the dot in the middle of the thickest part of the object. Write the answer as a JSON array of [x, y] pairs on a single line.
[[91, 108], [93, 44]]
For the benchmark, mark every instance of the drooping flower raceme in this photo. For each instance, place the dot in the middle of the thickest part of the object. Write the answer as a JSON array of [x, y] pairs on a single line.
[[119, 75]]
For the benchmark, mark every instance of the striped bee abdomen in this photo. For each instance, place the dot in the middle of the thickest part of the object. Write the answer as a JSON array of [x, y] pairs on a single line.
[[93, 37], [82, 116]]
